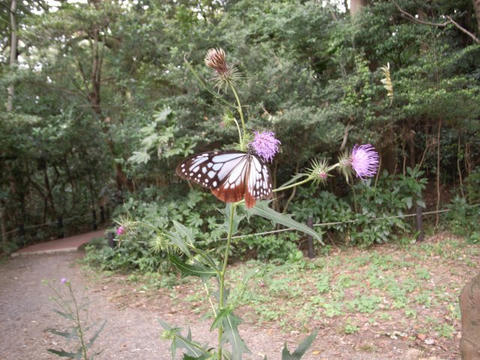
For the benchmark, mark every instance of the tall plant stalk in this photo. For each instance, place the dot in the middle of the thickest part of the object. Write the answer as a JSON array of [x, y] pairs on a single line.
[[221, 297]]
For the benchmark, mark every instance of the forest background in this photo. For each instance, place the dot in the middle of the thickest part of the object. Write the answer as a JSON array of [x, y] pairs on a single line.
[[100, 105]]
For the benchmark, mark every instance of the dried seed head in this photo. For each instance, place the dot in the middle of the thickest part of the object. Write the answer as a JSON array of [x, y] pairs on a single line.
[[216, 59]]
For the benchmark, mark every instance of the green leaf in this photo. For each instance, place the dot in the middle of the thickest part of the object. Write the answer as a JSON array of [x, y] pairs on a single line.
[[63, 353], [65, 315], [181, 237], [408, 201], [95, 336], [192, 348], [65, 334], [231, 335], [220, 316], [421, 203], [139, 157], [261, 209], [201, 357], [184, 231], [192, 270], [162, 115], [300, 350]]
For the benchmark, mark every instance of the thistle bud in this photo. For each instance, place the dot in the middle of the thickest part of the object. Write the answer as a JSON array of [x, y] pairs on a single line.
[[216, 59], [224, 73]]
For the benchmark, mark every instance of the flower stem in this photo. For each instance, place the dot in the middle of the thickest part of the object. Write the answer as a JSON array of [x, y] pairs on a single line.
[[240, 138], [221, 297], [79, 325], [293, 185], [190, 67], [240, 111]]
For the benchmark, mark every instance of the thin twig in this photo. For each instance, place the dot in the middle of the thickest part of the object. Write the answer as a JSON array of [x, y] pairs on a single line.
[[444, 24]]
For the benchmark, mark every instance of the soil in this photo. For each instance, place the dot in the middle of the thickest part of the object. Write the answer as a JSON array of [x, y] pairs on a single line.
[[132, 330]]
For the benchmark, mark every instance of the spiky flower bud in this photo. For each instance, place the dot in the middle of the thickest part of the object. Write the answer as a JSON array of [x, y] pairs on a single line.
[[224, 73], [216, 59], [318, 172]]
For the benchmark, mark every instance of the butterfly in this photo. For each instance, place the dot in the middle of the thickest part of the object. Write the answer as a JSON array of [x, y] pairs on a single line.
[[230, 175]]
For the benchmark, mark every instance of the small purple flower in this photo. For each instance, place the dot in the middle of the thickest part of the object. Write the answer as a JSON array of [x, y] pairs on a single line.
[[120, 230], [63, 280], [364, 160], [265, 145]]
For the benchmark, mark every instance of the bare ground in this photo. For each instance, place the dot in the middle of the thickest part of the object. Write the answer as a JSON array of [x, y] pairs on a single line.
[[132, 330]]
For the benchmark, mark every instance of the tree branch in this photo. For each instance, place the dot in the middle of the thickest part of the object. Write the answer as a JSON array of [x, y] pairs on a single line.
[[449, 21]]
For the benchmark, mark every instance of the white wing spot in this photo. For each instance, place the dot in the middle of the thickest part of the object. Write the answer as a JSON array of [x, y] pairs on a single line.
[[211, 174]]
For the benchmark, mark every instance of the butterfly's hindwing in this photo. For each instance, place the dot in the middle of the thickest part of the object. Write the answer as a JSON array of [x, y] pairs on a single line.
[[231, 176]]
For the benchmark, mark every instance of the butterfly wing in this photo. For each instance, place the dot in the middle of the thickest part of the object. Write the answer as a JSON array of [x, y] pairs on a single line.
[[259, 183], [209, 169], [231, 176]]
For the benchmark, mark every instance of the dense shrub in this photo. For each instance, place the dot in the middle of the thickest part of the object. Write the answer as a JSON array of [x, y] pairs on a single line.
[[371, 213]]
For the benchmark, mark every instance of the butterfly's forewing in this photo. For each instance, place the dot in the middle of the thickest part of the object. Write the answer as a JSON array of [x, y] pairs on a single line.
[[231, 176], [209, 169]]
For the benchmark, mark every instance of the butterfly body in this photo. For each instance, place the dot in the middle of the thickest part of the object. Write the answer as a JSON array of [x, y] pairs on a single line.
[[230, 175]]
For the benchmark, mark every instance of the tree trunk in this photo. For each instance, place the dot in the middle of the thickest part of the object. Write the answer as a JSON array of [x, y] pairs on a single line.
[[470, 309], [476, 7], [13, 51], [357, 5], [437, 217], [3, 227]]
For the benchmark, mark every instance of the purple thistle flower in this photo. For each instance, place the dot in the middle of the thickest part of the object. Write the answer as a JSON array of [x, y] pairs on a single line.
[[120, 230], [364, 160], [265, 145], [63, 280]]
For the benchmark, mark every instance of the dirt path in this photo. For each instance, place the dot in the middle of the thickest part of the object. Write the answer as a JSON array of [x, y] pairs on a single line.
[[26, 313], [130, 333]]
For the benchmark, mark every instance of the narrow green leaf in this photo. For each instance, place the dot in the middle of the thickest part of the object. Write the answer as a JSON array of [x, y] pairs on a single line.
[[262, 209], [164, 325], [201, 357], [184, 231], [222, 314], [192, 348], [206, 257], [301, 349], [231, 335], [63, 353], [192, 270], [178, 239], [65, 334], [65, 315], [94, 337]]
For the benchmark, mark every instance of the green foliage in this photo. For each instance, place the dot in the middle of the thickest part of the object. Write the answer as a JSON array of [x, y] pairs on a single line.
[[281, 247], [77, 315], [308, 72], [372, 214], [472, 187], [463, 219]]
